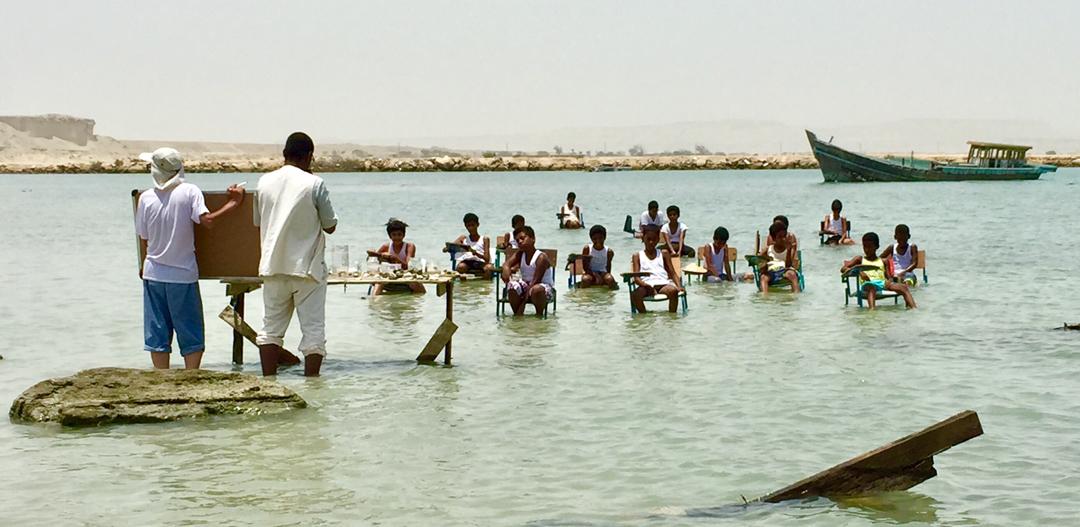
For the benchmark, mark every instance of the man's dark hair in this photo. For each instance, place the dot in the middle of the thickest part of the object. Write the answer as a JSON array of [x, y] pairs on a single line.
[[904, 229], [517, 218], [654, 205], [673, 208], [396, 225], [720, 234], [776, 228], [527, 230], [571, 196], [470, 217], [650, 228], [298, 146], [782, 219], [597, 229], [873, 237], [836, 205]]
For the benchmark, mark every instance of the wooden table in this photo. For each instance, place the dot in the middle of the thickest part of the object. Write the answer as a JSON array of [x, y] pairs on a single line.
[[237, 287]]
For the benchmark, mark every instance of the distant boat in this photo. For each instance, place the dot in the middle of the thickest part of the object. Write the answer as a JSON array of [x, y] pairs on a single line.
[[985, 162], [610, 167]]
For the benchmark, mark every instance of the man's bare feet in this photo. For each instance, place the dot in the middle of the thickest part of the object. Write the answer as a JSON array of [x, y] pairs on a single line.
[[286, 358], [268, 356], [312, 365]]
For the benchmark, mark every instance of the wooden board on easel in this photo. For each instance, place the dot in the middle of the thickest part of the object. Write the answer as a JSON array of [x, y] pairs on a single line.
[[231, 249]]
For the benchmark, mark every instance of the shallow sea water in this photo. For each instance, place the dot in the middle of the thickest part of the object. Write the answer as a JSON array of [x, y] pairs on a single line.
[[591, 417]]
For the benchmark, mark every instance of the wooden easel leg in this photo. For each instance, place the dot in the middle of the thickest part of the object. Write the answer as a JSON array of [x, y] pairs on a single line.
[[450, 317], [237, 337]]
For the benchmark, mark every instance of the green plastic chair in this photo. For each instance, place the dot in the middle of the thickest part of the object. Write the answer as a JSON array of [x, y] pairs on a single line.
[[501, 298], [754, 260]]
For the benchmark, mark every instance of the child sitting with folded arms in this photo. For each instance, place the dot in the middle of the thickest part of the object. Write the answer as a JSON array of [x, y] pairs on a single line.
[[570, 214], [397, 251], [904, 256], [598, 260], [537, 282], [478, 257], [673, 234], [875, 276], [836, 226], [657, 264], [779, 260], [716, 262]]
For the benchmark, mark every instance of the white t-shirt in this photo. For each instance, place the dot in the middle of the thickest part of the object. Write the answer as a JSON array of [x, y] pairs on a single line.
[[646, 220], [292, 208], [673, 236], [166, 220]]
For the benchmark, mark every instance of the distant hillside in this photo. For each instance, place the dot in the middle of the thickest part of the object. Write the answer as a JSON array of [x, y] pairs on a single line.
[[736, 136]]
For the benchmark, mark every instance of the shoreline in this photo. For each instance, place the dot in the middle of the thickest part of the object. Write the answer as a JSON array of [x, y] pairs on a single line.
[[334, 163]]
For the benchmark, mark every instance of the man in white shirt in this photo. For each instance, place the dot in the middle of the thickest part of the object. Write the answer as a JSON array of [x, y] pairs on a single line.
[[293, 212], [165, 221]]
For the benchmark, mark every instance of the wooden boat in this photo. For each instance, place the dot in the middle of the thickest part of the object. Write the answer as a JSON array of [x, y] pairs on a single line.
[[610, 167], [985, 162]]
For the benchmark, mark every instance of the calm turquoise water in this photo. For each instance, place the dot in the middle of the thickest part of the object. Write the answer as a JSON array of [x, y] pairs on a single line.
[[592, 416]]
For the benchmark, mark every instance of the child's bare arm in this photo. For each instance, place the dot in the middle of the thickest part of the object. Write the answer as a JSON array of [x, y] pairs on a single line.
[[487, 250], [610, 257], [848, 264], [727, 266], [635, 267]]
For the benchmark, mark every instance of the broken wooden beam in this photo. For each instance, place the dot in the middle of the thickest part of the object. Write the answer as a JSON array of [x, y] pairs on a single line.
[[437, 342], [899, 465], [233, 319]]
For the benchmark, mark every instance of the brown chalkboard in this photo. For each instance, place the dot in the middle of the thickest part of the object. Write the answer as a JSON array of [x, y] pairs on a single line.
[[231, 248]]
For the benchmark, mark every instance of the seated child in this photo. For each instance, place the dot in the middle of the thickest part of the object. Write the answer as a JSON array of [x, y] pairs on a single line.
[[878, 278], [716, 261], [904, 256], [650, 217], [510, 244], [792, 240], [478, 259], [657, 264], [673, 234], [598, 260], [836, 226], [570, 214], [779, 257], [397, 251], [537, 282]]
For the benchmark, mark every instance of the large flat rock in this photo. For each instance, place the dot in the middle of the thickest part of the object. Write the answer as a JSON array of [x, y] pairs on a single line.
[[123, 395]]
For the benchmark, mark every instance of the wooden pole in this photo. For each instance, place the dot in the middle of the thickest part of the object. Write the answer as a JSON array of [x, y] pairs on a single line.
[[237, 337], [450, 317]]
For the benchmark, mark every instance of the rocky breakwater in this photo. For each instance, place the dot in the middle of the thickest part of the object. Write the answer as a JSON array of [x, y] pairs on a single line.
[[122, 395]]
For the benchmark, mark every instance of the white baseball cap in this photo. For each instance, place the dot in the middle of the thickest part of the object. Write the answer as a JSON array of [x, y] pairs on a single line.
[[166, 166]]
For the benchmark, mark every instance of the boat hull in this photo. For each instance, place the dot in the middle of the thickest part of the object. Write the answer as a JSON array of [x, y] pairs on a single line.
[[842, 166]]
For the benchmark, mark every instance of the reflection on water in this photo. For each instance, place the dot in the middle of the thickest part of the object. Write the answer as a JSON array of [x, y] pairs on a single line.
[[894, 507]]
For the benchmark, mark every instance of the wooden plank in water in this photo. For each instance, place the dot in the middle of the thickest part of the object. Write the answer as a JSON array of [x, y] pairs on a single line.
[[230, 316], [437, 342], [899, 465]]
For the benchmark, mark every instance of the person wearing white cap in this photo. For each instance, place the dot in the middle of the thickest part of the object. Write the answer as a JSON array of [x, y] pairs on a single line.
[[294, 214], [165, 221]]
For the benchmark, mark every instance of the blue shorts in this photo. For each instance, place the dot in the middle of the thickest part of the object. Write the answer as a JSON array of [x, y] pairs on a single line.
[[776, 276], [879, 285], [169, 308]]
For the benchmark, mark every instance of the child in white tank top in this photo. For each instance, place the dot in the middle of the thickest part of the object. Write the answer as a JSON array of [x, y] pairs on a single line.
[[716, 262], [656, 265], [478, 259], [537, 282], [397, 251], [598, 260]]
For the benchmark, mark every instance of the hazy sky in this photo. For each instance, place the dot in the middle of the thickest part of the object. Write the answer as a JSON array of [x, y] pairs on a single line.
[[254, 71]]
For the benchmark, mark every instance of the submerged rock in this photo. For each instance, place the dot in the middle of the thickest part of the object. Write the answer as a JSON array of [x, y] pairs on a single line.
[[124, 395]]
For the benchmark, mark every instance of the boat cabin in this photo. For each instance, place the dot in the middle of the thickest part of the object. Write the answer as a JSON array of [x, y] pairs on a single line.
[[996, 155]]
